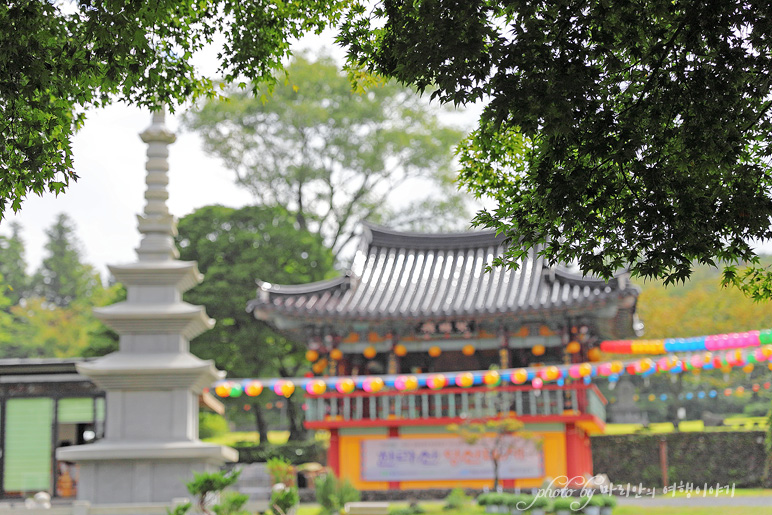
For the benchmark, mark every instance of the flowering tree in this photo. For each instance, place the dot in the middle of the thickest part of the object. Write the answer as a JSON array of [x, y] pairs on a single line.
[[498, 445]]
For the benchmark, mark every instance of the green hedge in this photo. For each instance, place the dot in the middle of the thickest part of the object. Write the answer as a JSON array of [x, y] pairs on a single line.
[[698, 458], [294, 452]]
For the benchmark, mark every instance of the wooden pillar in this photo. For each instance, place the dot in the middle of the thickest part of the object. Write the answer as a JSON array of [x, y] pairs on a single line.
[[394, 433], [333, 452], [505, 360], [575, 451], [392, 366]]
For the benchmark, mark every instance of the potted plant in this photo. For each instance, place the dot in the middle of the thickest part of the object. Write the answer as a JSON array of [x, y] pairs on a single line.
[[609, 503], [565, 505], [591, 504], [499, 502], [540, 505], [484, 499], [517, 503]]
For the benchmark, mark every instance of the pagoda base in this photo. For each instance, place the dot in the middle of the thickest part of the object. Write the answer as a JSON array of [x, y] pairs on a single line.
[[142, 472]]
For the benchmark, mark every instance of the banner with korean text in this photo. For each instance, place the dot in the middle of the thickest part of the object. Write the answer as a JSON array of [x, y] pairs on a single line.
[[402, 459]]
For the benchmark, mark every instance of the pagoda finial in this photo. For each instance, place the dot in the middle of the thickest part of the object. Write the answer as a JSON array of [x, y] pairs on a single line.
[[156, 224]]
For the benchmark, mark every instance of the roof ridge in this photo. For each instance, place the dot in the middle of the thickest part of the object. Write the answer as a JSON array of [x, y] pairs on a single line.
[[380, 236]]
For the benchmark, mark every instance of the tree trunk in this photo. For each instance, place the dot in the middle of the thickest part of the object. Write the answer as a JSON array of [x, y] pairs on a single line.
[[495, 475], [262, 427], [295, 416]]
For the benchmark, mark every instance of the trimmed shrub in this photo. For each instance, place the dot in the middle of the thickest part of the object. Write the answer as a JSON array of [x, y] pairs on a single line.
[[332, 494], [609, 501], [293, 452], [456, 500], [283, 499], [211, 425]]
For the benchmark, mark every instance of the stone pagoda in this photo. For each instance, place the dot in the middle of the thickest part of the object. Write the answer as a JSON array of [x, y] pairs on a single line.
[[152, 384]]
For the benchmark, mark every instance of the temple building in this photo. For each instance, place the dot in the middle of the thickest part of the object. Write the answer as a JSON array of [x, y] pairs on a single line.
[[424, 303]]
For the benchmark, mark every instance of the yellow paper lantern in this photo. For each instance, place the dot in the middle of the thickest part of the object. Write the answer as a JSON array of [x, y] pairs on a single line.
[[223, 389], [748, 368], [594, 354], [491, 378], [370, 352], [520, 376], [766, 351], [287, 388], [467, 350], [312, 355], [616, 367], [336, 354], [254, 388], [573, 347], [317, 387], [411, 383], [552, 373], [374, 384], [435, 351], [585, 369], [538, 350], [465, 380], [400, 350]]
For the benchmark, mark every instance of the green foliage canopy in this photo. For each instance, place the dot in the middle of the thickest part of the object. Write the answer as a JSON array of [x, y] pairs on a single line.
[[617, 134], [331, 155], [58, 59], [233, 248]]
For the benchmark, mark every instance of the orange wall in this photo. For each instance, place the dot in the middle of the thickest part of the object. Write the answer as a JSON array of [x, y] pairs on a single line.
[[554, 448]]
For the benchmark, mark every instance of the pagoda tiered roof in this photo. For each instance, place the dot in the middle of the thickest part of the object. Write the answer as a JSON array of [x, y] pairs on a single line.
[[399, 277]]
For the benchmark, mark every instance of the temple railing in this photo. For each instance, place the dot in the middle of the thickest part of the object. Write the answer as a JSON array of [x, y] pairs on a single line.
[[454, 403]]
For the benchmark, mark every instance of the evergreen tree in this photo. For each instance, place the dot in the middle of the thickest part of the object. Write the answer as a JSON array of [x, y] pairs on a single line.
[[62, 279], [13, 266]]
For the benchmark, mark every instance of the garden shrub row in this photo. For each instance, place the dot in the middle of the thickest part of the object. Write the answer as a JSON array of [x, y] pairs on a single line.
[[293, 452], [501, 502], [720, 458]]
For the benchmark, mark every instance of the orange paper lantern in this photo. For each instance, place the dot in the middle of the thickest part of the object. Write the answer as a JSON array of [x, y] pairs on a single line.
[[573, 347], [491, 378], [223, 389], [336, 354], [520, 376], [435, 351], [538, 350], [400, 350], [594, 354], [467, 350], [254, 388], [370, 352], [312, 355]]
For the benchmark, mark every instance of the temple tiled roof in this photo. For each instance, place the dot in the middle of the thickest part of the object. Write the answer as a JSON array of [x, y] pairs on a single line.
[[412, 276]]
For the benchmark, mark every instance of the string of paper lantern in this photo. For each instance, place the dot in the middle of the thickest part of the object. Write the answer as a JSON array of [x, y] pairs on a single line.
[[537, 376], [698, 343], [711, 393]]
